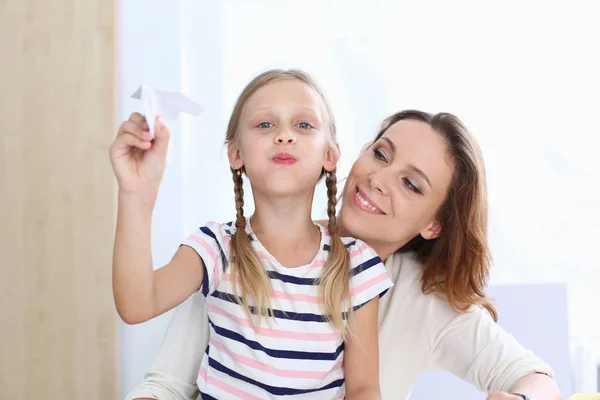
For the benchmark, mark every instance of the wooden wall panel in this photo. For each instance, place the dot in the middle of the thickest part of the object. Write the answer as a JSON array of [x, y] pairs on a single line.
[[59, 331]]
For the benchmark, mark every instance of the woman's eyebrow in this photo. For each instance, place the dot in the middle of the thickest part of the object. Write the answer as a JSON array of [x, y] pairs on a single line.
[[390, 143], [419, 172], [411, 166]]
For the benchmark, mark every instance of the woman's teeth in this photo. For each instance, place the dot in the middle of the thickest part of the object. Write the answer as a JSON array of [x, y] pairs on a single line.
[[365, 202]]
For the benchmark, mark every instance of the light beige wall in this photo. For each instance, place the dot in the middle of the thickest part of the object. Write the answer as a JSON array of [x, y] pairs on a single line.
[[58, 328]]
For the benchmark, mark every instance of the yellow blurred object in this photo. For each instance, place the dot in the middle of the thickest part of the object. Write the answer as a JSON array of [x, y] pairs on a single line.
[[582, 396]]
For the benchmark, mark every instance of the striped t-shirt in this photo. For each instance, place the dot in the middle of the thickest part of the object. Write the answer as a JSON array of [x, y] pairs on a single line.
[[296, 354]]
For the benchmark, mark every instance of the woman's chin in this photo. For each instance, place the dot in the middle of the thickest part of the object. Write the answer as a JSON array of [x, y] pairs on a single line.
[[352, 223]]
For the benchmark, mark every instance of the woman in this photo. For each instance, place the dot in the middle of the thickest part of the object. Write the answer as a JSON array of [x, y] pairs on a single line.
[[417, 195]]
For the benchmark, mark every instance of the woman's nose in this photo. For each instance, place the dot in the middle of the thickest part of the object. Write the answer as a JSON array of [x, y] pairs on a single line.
[[377, 182]]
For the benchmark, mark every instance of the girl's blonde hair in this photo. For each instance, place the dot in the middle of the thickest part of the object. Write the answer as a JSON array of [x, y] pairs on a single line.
[[247, 270]]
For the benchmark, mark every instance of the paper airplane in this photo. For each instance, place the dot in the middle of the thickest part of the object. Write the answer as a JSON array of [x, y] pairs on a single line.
[[165, 104]]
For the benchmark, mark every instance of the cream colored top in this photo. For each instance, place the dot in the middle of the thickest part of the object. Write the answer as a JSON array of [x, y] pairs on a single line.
[[417, 332]]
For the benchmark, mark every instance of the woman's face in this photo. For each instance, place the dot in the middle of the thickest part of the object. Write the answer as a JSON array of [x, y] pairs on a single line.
[[396, 187]]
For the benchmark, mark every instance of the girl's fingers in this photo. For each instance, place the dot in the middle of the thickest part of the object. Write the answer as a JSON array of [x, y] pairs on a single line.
[[139, 119], [126, 140], [163, 136], [136, 130]]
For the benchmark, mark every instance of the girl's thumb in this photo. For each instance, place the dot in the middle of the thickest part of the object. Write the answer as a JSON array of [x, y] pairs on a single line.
[[162, 135]]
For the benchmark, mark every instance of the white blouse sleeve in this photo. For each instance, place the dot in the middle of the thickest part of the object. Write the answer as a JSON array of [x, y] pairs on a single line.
[[473, 347], [175, 370]]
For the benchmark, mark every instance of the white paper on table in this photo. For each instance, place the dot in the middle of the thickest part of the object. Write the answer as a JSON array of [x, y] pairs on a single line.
[[165, 104]]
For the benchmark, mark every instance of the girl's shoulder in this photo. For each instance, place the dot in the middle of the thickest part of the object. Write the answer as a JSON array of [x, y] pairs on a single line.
[[214, 234], [351, 243], [222, 229]]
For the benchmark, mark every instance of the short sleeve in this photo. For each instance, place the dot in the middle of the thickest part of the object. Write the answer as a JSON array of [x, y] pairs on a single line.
[[368, 276], [211, 242]]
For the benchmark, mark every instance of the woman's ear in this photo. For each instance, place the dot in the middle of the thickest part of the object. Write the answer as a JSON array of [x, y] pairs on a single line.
[[432, 231], [235, 156], [332, 156]]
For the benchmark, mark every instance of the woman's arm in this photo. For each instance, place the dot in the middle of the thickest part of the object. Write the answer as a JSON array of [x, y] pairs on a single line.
[[174, 372], [361, 354], [473, 347]]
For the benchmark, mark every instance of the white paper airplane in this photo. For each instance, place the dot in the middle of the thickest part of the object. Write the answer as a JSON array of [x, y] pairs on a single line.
[[165, 104]]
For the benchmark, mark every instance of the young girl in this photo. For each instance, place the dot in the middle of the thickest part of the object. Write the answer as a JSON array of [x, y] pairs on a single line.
[[292, 306]]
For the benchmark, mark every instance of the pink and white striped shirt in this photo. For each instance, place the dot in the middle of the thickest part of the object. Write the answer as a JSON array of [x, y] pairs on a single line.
[[297, 354]]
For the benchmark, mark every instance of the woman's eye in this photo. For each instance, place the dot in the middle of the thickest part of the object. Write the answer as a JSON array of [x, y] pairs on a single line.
[[379, 155], [412, 186], [265, 125], [304, 125]]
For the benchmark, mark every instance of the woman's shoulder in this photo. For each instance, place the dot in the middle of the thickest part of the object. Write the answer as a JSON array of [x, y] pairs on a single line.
[[428, 314], [406, 270], [407, 274]]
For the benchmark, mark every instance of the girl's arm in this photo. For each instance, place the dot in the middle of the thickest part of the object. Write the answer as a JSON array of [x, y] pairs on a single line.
[[369, 280], [141, 293], [138, 160], [361, 354]]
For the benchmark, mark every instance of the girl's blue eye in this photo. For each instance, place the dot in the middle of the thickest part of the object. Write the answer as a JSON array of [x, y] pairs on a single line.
[[265, 125], [304, 125]]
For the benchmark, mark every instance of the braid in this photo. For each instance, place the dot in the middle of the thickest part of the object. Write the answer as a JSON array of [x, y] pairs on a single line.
[[247, 271], [331, 183], [238, 188], [335, 282]]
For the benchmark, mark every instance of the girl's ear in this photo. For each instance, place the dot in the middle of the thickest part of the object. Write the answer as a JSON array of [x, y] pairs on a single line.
[[234, 155], [332, 156]]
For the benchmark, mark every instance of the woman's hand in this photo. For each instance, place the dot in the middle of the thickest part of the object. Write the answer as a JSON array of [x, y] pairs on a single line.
[[503, 396]]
